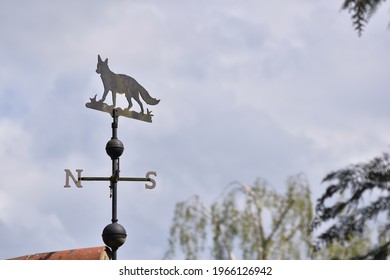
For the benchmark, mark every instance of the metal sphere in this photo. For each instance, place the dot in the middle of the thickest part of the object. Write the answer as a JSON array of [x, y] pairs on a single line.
[[114, 235], [114, 148]]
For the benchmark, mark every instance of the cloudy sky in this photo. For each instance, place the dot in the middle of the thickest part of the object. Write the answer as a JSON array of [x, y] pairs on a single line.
[[249, 89]]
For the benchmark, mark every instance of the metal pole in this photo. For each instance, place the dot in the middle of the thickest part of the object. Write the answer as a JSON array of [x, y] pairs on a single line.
[[115, 170], [114, 235], [115, 175]]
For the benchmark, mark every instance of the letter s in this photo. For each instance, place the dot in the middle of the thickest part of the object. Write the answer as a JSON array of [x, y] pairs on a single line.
[[153, 185]]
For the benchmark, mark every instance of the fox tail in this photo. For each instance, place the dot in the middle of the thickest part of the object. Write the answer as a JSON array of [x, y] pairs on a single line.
[[146, 96]]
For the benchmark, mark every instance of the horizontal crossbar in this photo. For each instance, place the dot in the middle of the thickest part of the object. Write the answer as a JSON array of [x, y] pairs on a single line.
[[119, 179]]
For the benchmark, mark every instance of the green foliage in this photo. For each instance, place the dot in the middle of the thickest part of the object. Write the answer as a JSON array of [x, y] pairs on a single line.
[[361, 11], [252, 222], [355, 247], [191, 233], [355, 197]]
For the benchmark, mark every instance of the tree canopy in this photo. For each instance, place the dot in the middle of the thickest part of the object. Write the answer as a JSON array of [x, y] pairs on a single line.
[[257, 222], [246, 222], [356, 197]]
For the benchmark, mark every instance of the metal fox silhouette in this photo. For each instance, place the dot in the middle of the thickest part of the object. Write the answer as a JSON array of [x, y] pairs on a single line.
[[120, 83]]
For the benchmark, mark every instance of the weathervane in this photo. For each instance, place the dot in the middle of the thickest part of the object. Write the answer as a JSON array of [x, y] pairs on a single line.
[[120, 83], [114, 235]]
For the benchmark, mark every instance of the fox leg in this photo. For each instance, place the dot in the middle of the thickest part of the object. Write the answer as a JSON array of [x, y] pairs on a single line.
[[113, 98], [128, 97], [136, 97], [104, 95]]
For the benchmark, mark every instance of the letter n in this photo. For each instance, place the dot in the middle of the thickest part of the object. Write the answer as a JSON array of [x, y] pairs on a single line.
[[69, 174]]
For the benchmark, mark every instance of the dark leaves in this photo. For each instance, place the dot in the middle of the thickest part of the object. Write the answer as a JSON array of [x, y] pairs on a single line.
[[361, 11], [343, 206]]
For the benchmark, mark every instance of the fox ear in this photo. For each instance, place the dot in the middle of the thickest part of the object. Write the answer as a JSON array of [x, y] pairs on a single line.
[[106, 61], [99, 58]]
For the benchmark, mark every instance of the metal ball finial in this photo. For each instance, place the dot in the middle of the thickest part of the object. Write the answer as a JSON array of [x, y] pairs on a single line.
[[114, 148], [114, 235]]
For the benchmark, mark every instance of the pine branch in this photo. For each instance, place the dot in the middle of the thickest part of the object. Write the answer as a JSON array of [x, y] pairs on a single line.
[[361, 11]]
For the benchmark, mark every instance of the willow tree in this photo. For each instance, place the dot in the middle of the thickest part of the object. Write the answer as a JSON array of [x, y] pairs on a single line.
[[245, 222]]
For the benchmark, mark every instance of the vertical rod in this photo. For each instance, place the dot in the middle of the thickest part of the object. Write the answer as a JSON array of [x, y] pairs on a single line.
[[113, 254], [114, 235], [114, 125], [115, 170], [115, 173]]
